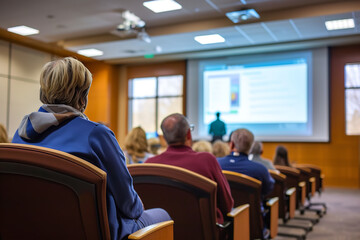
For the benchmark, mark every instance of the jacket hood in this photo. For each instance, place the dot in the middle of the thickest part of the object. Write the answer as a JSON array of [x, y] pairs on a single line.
[[36, 123]]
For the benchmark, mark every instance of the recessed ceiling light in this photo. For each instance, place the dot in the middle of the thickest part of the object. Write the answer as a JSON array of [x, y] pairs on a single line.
[[23, 30], [340, 24], [158, 6], [209, 39], [91, 52]]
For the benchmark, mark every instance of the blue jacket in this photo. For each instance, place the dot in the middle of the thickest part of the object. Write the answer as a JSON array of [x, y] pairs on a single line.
[[97, 144], [240, 163]]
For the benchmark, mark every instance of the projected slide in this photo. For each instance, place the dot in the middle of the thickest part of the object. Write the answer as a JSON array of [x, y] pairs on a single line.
[[261, 93]]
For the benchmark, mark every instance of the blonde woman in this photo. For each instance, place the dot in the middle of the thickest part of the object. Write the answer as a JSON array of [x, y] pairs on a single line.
[[62, 125], [3, 134], [220, 148], [202, 146], [136, 146]]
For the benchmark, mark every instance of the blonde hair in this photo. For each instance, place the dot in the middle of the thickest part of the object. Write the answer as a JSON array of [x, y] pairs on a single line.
[[202, 146], [3, 134], [136, 144], [220, 148], [65, 81]]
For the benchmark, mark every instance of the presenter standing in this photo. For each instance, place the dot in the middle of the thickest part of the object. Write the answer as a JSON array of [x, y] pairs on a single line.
[[217, 128]]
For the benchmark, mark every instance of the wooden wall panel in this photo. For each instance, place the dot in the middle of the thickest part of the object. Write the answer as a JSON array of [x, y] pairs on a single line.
[[340, 158], [103, 95]]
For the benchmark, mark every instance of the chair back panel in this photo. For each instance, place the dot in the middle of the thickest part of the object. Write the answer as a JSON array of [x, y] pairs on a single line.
[[245, 189], [279, 191], [189, 198], [48, 194]]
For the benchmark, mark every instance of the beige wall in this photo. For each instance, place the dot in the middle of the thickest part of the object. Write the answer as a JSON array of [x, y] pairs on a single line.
[[20, 69]]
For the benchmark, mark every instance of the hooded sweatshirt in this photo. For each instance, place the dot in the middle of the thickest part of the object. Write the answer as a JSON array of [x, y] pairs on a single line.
[[64, 128]]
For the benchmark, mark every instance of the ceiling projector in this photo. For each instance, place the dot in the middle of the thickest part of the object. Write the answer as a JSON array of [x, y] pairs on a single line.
[[242, 15]]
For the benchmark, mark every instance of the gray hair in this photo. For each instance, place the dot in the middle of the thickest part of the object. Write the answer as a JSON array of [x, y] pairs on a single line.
[[256, 148], [175, 128], [242, 139]]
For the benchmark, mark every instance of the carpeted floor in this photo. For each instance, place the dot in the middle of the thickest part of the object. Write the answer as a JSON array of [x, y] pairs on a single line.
[[342, 221]]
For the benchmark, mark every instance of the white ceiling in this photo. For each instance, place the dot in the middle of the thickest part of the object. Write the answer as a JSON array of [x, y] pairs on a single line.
[[79, 24]]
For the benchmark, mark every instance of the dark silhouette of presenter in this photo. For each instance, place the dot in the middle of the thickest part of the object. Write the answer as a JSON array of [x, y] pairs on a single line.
[[217, 128]]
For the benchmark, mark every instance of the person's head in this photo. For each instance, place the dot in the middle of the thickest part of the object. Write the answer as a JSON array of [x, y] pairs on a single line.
[[3, 134], [202, 146], [256, 148], [65, 81], [135, 143], [220, 148], [217, 114], [281, 156], [241, 140], [154, 145], [176, 130]]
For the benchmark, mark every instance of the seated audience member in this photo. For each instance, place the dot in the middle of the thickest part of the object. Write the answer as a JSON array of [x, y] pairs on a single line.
[[238, 161], [220, 148], [256, 151], [202, 146], [3, 134], [62, 125], [136, 146], [281, 156], [177, 134], [154, 145]]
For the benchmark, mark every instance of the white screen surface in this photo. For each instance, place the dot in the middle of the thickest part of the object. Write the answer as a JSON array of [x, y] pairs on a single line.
[[279, 96]]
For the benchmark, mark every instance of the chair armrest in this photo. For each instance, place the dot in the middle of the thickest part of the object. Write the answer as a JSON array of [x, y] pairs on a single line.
[[160, 231], [291, 197], [241, 222], [273, 206], [302, 187], [312, 181]]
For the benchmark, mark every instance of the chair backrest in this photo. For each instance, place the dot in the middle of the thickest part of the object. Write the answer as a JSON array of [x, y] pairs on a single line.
[[245, 189], [189, 198], [316, 172], [292, 180], [48, 194], [292, 175], [279, 191]]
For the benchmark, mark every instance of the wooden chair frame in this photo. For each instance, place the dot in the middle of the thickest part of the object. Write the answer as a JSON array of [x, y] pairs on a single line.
[[49, 194], [149, 178], [246, 189]]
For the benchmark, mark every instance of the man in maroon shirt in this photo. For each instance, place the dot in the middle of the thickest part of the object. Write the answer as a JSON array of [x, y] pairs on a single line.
[[177, 134]]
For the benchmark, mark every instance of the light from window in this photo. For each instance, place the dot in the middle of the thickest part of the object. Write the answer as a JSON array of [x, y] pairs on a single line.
[[352, 98]]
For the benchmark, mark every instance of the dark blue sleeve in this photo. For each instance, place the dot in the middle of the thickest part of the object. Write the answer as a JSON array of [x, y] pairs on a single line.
[[267, 182], [119, 181]]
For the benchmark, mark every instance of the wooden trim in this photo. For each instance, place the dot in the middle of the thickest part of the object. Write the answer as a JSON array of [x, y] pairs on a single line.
[[161, 231], [230, 173], [241, 222], [42, 46]]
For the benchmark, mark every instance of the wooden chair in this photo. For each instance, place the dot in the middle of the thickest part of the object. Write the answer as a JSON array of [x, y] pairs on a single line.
[[287, 197], [315, 172], [293, 180], [296, 178], [247, 190], [190, 199], [48, 194], [289, 227]]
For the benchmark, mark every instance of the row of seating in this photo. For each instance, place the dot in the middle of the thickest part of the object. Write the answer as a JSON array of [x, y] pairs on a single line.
[[53, 195]]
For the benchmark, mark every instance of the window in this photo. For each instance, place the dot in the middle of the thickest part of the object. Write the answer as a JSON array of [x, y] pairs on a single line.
[[352, 98], [153, 98]]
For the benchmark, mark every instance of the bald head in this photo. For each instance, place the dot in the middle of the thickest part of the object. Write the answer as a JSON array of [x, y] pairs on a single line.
[[242, 140], [175, 128]]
